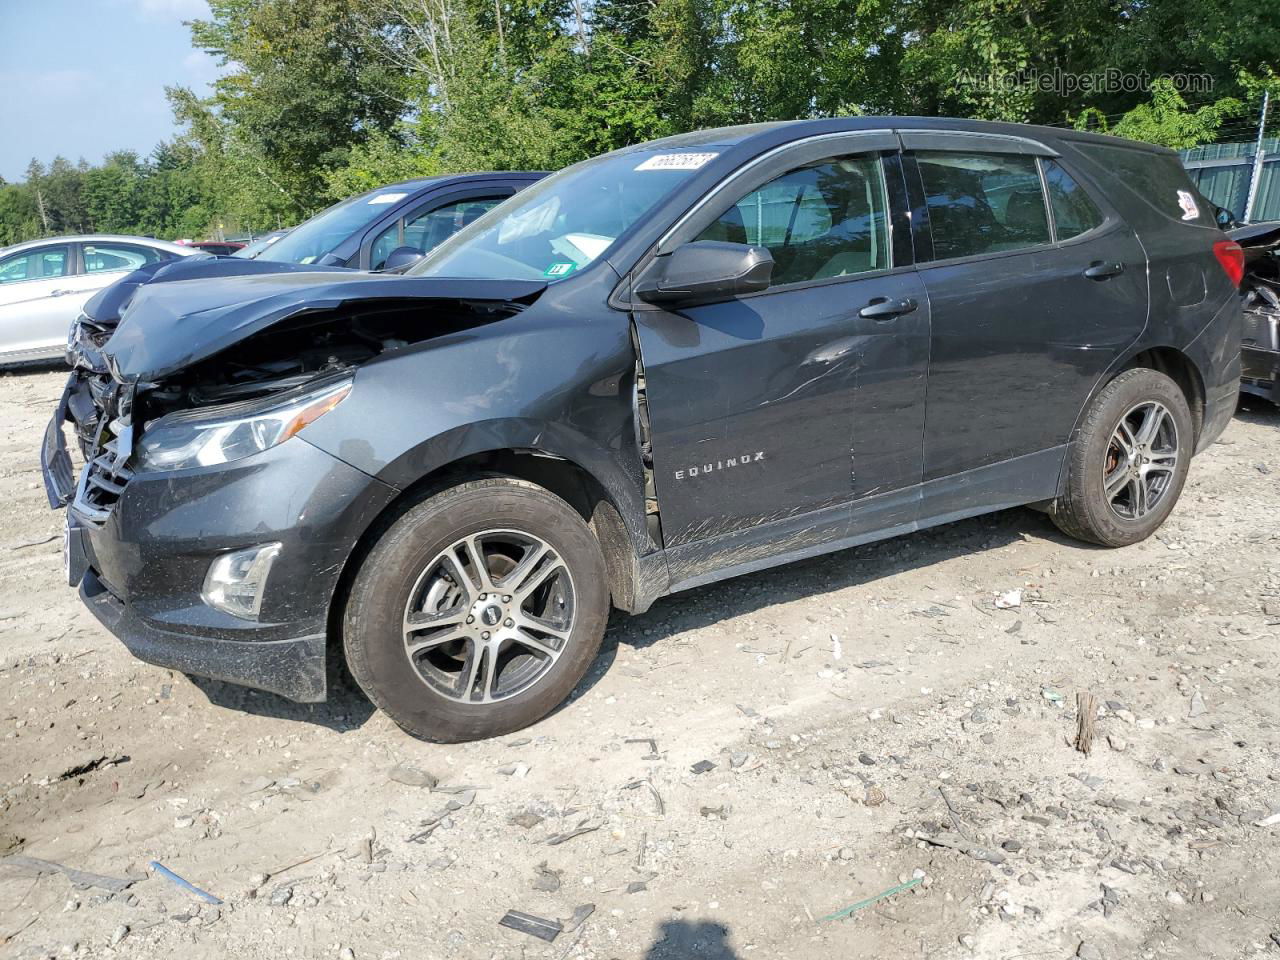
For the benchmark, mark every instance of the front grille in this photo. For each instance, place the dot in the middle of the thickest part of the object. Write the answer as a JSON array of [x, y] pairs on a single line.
[[94, 409], [101, 484]]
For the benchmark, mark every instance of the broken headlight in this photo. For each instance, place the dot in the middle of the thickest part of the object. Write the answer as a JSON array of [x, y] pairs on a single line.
[[235, 430]]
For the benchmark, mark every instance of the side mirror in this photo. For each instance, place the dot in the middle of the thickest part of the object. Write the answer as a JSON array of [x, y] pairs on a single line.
[[400, 258], [1225, 217], [706, 271]]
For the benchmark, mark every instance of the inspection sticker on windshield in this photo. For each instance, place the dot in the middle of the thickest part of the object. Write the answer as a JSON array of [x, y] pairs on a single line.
[[560, 269], [387, 197], [677, 161], [1188, 204]]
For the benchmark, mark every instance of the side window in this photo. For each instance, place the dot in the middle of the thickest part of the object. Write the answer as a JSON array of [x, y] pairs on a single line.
[[982, 203], [426, 229], [1074, 212], [39, 264], [825, 219], [101, 257]]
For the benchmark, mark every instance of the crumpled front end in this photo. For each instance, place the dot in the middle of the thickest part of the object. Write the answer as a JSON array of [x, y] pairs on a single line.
[[202, 528]]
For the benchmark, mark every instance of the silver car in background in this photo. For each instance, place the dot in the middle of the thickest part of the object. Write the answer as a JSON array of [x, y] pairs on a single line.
[[44, 284]]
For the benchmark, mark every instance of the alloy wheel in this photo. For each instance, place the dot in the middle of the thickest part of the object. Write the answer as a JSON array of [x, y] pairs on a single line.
[[489, 616], [1141, 460]]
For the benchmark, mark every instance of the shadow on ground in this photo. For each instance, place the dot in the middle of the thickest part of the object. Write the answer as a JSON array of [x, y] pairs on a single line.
[[684, 940], [346, 709]]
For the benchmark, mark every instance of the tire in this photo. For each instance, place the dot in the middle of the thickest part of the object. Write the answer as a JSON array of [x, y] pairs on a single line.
[[1098, 504], [541, 638]]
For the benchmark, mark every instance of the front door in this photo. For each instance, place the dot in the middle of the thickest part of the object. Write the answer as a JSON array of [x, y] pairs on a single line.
[[776, 410], [34, 316]]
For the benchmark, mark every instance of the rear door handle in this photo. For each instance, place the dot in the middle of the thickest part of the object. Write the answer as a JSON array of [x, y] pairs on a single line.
[[884, 309], [1103, 270]]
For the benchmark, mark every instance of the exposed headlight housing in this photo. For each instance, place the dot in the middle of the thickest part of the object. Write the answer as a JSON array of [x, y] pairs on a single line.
[[236, 430]]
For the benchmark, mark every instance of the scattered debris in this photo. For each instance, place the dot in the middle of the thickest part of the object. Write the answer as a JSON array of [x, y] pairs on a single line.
[[854, 908], [579, 917], [702, 766], [954, 841], [1086, 717], [90, 765], [1197, 707], [546, 879], [412, 776], [32, 866], [176, 880], [579, 830], [538, 927], [653, 747], [1009, 600]]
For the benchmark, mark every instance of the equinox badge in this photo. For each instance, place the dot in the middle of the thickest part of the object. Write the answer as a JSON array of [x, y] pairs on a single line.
[[705, 468]]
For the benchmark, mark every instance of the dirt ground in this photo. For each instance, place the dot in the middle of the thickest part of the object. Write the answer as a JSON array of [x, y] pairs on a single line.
[[874, 720]]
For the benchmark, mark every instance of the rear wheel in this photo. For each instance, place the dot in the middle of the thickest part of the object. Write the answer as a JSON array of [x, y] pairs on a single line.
[[478, 611], [1128, 464]]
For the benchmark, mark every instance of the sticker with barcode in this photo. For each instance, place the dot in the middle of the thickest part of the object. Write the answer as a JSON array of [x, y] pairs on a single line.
[[677, 161]]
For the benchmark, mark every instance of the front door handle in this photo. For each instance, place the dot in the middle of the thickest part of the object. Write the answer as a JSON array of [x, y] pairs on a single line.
[[883, 309], [1104, 270]]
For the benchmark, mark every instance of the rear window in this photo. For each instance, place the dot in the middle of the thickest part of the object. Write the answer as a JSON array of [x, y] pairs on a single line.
[[982, 203], [1074, 212], [1157, 179]]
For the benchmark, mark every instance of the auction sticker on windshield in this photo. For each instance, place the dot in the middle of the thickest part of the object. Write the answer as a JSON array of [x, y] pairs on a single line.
[[677, 161], [387, 197], [560, 269]]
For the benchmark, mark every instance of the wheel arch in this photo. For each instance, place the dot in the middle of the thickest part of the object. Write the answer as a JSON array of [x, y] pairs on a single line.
[[635, 568], [1164, 358]]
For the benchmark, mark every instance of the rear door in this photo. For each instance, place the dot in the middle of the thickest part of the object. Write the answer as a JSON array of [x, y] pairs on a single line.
[[1024, 319], [33, 286], [778, 409]]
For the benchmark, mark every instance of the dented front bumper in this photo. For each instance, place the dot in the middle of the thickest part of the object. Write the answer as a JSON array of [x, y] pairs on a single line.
[[141, 569]]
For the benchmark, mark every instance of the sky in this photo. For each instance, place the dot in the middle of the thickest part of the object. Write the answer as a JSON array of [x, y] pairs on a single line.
[[84, 77]]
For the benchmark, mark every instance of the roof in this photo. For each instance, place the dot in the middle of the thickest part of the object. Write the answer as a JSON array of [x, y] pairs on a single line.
[[797, 129], [103, 238], [420, 183]]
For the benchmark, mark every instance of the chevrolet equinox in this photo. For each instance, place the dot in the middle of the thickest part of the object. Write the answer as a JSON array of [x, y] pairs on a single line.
[[671, 364]]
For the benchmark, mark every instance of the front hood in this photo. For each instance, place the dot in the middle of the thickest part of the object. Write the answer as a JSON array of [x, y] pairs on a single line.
[[170, 325], [104, 308]]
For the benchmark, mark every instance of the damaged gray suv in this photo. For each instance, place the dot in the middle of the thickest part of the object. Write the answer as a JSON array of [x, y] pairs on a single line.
[[665, 366]]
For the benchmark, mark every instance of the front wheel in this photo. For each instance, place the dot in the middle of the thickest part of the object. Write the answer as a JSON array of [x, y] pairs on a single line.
[[477, 611], [1128, 463]]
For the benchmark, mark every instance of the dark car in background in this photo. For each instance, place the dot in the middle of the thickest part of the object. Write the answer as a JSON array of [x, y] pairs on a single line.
[[363, 232], [218, 248], [1260, 349], [671, 364]]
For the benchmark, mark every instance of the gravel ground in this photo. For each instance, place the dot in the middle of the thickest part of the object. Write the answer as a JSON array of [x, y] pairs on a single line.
[[869, 721]]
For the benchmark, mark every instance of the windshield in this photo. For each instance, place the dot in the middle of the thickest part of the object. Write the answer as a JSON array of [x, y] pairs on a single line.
[[250, 251], [558, 226], [310, 241]]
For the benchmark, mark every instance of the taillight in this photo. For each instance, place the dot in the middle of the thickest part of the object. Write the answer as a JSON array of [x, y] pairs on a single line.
[[1231, 258]]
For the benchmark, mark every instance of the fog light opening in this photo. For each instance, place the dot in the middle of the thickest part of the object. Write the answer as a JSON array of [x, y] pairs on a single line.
[[236, 580]]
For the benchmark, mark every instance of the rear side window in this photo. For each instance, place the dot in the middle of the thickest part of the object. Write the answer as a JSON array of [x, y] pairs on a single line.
[[1074, 212], [39, 264], [982, 203], [823, 220], [103, 257], [1157, 178]]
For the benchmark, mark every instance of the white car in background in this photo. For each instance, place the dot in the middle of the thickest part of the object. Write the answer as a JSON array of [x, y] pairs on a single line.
[[44, 284]]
